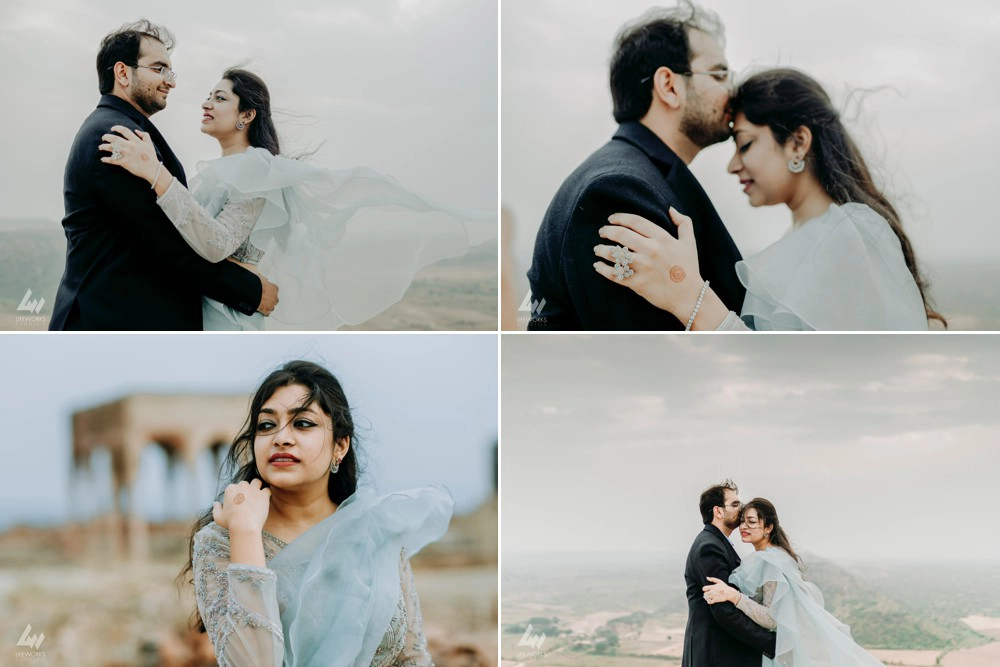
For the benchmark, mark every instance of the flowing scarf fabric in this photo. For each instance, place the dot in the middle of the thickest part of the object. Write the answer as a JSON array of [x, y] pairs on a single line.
[[341, 244], [338, 583], [807, 635]]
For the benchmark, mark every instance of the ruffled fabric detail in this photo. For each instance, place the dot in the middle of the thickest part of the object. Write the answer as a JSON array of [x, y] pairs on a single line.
[[841, 271]]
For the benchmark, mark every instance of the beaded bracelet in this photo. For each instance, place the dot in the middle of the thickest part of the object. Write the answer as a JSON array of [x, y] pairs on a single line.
[[157, 177], [697, 306]]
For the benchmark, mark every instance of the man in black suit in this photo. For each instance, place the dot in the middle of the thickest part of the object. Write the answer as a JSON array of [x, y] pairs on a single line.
[[670, 83], [719, 635], [126, 265]]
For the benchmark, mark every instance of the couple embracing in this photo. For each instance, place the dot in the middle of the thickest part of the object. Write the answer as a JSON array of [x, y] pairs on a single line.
[[148, 250], [758, 611], [631, 241]]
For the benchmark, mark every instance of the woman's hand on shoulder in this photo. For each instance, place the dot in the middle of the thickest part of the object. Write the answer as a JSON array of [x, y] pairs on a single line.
[[245, 507], [665, 269], [135, 152], [719, 591]]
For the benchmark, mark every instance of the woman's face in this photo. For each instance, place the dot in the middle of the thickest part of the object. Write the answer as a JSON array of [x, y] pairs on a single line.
[[751, 527], [221, 111], [761, 164], [294, 443]]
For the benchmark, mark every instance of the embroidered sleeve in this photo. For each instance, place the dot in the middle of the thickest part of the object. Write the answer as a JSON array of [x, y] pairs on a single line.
[[732, 323], [414, 653], [216, 238], [758, 608], [238, 604]]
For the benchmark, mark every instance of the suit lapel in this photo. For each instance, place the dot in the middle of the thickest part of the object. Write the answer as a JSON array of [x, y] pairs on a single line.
[[166, 155], [645, 140], [734, 557], [693, 199], [162, 148]]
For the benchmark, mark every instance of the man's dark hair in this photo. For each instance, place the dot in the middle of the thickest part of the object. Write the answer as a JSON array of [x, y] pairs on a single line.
[[715, 496], [658, 38], [123, 44]]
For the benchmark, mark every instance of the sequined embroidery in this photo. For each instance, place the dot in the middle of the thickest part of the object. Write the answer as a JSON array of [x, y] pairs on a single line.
[[403, 644]]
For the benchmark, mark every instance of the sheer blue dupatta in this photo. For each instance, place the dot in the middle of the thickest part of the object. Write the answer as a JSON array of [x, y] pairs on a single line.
[[338, 583], [807, 634]]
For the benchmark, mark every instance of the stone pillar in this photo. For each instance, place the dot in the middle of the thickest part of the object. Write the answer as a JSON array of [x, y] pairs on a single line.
[[189, 454]]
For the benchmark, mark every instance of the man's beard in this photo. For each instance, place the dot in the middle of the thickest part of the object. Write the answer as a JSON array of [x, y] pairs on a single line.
[[147, 100], [700, 127], [733, 524]]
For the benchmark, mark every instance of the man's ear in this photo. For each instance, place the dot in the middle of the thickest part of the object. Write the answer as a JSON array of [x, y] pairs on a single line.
[[122, 72], [665, 87]]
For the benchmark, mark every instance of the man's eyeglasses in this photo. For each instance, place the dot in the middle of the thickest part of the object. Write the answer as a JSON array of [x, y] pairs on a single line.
[[734, 505], [724, 76], [164, 71]]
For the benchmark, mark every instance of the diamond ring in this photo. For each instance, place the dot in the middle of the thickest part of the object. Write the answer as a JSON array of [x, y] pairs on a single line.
[[622, 260]]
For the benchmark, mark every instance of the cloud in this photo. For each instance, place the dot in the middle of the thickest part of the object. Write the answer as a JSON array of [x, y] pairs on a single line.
[[927, 372], [335, 16], [741, 394]]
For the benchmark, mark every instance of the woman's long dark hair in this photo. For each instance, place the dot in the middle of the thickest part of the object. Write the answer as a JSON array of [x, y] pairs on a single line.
[[768, 517], [787, 99], [241, 466], [253, 94]]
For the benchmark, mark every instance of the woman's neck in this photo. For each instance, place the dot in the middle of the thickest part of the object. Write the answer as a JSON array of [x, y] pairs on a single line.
[[300, 508], [237, 143], [763, 544], [809, 201]]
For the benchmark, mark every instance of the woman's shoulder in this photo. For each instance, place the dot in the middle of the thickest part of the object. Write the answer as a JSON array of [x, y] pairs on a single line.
[[843, 231], [772, 555], [860, 217]]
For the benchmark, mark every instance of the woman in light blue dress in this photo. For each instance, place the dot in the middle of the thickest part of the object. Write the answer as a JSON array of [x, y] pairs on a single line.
[[768, 587], [845, 264], [297, 565], [341, 245]]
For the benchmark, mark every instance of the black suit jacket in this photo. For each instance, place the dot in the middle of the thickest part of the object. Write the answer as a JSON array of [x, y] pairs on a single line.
[[718, 635], [126, 265], [637, 173]]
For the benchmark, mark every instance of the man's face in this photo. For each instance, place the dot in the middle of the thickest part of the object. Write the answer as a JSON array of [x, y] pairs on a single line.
[[149, 89], [731, 510], [706, 116]]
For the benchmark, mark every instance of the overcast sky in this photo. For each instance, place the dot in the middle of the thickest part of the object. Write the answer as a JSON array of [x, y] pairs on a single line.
[[870, 447], [407, 87], [933, 136], [426, 405]]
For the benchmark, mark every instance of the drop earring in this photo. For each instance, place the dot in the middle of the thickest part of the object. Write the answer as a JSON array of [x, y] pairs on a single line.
[[334, 466], [240, 125], [796, 165]]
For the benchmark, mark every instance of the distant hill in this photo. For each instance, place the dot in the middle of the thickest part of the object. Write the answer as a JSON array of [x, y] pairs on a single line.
[[881, 620], [32, 254], [453, 294], [894, 609]]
